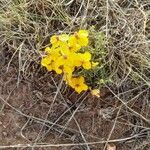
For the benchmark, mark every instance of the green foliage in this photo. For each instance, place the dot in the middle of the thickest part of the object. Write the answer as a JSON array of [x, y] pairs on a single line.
[[99, 75]]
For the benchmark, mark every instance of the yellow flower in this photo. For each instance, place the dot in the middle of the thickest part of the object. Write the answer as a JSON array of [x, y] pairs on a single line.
[[79, 39], [70, 48], [83, 33], [62, 67], [78, 84], [47, 62], [84, 60], [62, 57], [73, 44], [64, 62], [94, 64], [58, 40], [68, 71], [95, 92], [63, 37], [54, 39], [82, 37], [48, 50], [58, 67], [53, 51], [74, 48], [68, 57]]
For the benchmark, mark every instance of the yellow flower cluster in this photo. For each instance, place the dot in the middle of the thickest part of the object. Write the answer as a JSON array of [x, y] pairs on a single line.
[[64, 57]]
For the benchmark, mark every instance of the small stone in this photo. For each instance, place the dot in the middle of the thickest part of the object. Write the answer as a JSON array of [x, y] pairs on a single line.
[[5, 133]]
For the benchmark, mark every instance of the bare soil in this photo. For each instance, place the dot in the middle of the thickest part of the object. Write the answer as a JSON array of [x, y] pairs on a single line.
[[31, 115]]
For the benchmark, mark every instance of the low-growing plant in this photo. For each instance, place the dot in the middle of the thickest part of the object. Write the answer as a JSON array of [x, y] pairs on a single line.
[[79, 57]]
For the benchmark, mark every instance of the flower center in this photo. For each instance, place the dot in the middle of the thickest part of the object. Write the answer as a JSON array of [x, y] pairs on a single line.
[[57, 38], [61, 67], [82, 62], [65, 56], [51, 62], [76, 35], [77, 85], [70, 47]]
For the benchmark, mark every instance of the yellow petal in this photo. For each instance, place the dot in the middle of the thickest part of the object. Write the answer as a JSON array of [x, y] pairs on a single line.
[[95, 92], [78, 90], [94, 64], [67, 78], [74, 47], [58, 66], [45, 61], [49, 67], [65, 46], [81, 79], [48, 49], [87, 65], [54, 39], [71, 82], [83, 33], [72, 40], [68, 71], [64, 37], [58, 70], [87, 56], [83, 41], [84, 87]]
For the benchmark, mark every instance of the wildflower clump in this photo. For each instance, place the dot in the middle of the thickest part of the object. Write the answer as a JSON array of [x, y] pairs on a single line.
[[64, 57]]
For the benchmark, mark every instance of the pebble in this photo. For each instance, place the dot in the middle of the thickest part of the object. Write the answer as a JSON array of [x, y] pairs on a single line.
[[5, 133]]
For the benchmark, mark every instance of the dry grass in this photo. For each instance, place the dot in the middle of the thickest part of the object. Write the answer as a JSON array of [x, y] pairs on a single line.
[[25, 28]]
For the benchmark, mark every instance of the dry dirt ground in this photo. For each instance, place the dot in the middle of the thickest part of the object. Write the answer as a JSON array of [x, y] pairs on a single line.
[[37, 113]]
